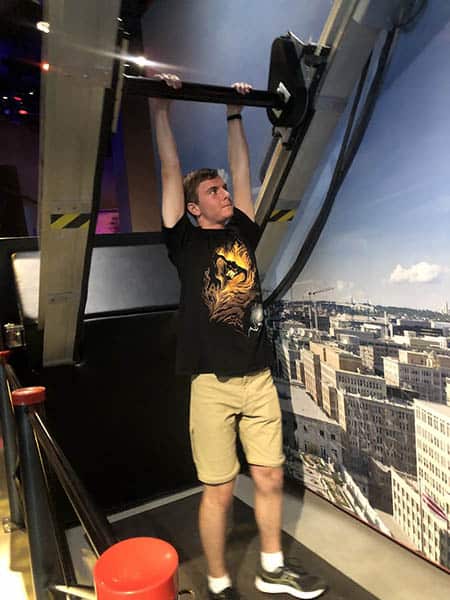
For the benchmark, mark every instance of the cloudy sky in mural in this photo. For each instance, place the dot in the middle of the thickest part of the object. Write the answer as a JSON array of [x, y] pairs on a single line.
[[388, 236]]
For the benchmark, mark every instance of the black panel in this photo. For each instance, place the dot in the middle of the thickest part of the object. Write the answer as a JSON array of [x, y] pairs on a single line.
[[122, 415], [12, 215]]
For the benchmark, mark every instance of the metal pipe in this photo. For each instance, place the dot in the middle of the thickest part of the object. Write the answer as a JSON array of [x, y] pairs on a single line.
[[62, 545], [80, 591], [200, 92], [16, 520], [12, 378], [95, 524], [45, 566]]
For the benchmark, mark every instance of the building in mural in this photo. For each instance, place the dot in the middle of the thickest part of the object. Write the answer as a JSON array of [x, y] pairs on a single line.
[[421, 505], [423, 372], [369, 429], [378, 429], [373, 353]]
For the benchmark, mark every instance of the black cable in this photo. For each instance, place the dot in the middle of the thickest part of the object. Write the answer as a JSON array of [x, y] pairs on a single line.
[[414, 16]]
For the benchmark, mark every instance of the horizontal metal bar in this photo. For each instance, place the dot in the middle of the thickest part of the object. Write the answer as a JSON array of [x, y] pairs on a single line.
[[200, 92]]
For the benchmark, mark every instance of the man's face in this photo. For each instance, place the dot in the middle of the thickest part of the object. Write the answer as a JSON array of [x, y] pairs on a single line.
[[214, 205]]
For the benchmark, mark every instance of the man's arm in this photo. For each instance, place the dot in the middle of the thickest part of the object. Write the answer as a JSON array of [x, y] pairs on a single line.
[[171, 176], [238, 158]]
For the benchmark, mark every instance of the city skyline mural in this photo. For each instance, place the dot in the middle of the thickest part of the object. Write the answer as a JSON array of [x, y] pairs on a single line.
[[362, 338]]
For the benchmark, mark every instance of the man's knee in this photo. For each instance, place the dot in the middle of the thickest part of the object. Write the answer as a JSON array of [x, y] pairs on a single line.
[[218, 496], [267, 479]]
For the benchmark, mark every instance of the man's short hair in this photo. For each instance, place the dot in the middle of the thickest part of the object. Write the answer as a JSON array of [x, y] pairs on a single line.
[[192, 180]]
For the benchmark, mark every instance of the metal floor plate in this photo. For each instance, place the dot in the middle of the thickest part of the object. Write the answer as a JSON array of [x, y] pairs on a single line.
[[177, 523]]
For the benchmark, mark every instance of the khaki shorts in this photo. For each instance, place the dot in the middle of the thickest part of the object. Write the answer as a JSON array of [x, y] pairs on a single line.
[[222, 407]]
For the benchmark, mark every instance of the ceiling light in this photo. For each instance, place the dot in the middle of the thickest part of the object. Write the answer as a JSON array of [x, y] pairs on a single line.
[[141, 61], [43, 26]]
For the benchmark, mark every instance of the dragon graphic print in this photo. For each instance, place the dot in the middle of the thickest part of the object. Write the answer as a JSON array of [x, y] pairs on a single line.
[[231, 291]]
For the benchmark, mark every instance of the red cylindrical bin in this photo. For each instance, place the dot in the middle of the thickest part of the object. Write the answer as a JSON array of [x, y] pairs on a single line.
[[137, 569]]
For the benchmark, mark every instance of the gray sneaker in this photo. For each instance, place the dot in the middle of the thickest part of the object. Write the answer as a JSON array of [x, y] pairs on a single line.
[[290, 580]]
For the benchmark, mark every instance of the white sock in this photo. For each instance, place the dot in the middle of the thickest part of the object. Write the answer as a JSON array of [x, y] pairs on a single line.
[[270, 561], [218, 584]]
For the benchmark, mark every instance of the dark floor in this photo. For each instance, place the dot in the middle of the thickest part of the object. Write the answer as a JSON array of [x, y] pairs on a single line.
[[177, 524]]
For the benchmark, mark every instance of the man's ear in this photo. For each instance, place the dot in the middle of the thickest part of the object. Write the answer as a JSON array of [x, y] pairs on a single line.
[[193, 208]]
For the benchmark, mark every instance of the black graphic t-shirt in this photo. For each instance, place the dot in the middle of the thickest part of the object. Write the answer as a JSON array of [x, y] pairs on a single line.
[[221, 326]]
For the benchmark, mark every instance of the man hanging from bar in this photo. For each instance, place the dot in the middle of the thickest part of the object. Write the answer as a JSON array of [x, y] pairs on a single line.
[[222, 345]]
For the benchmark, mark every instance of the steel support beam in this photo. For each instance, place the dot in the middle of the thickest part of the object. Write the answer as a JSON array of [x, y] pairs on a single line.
[[80, 50]]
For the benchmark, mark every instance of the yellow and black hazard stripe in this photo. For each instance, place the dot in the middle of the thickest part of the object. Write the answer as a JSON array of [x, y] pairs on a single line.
[[70, 221], [281, 216]]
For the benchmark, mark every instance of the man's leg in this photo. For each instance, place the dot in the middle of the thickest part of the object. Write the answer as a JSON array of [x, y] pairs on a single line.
[[268, 483], [274, 576], [214, 405], [214, 506], [261, 434]]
